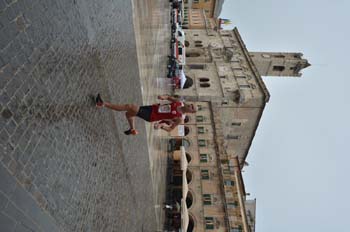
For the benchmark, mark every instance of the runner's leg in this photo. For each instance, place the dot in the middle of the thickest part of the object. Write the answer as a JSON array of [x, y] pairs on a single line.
[[131, 111]]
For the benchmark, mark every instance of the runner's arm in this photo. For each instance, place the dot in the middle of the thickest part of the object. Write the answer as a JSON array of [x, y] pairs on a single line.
[[176, 122], [167, 97]]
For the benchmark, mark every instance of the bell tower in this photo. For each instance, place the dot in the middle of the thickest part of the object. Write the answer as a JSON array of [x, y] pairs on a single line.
[[279, 63]]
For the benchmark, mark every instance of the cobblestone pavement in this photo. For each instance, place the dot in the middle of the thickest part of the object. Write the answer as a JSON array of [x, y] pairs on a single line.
[[66, 166], [153, 81]]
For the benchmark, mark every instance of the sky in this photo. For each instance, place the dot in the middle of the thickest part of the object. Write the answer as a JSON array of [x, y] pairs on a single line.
[[299, 162]]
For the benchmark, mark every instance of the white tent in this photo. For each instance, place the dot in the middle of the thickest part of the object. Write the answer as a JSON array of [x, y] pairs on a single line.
[[184, 216], [184, 185], [184, 162], [182, 78]]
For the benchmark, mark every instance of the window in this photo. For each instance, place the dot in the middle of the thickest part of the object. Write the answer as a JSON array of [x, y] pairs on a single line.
[[194, 54], [240, 76], [200, 130], [236, 124], [278, 68], [199, 107], [226, 171], [279, 56], [201, 143], [203, 158], [232, 205], [238, 229], [205, 174], [244, 86], [207, 199], [199, 118], [204, 85], [195, 1], [209, 223], [196, 66], [233, 136], [203, 79], [229, 182]]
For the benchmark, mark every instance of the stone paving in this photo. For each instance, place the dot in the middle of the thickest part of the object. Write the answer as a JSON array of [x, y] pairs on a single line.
[[65, 165]]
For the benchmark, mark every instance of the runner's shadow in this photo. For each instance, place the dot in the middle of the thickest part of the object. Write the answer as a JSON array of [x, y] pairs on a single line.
[[92, 101]]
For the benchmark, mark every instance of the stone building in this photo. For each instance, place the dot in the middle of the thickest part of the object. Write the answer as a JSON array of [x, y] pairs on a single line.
[[230, 96], [199, 14]]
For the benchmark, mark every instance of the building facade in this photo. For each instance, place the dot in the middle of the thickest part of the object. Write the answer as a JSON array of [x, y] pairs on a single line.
[[199, 14], [230, 97]]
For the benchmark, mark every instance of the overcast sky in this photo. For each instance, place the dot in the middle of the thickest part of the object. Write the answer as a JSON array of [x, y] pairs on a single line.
[[300, 161]]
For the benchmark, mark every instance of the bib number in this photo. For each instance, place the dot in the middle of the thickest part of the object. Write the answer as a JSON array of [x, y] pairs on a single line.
[[164, 108]]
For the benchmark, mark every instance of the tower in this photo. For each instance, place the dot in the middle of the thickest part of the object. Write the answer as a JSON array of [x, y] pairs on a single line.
[[279, 64]]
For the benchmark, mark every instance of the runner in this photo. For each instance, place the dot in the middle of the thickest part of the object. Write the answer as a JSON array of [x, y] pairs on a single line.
[[156, 112]]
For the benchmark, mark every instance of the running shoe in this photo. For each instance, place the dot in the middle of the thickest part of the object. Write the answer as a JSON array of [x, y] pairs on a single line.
[[99, 101], [131, 132]]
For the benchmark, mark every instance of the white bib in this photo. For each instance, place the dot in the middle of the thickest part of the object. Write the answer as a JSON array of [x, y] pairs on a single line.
[[164, 108]]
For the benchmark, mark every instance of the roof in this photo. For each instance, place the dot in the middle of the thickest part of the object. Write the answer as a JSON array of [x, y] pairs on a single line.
[[261, 84], [218, 8], [251, 63]]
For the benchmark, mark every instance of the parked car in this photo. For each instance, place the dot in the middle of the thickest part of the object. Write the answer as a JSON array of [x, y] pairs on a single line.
[[174, 19], [178, 46], [173, 68]]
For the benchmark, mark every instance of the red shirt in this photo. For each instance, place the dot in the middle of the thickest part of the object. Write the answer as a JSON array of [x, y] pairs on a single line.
[[165, 111]]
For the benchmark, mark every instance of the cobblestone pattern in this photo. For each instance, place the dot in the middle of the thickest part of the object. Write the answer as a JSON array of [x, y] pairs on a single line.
[[65, 166]]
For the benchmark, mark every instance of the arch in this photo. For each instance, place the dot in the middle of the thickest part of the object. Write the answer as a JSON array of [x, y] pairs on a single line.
[[189, 176], [204, 85], [188, 82], [188, 157], [187, 119], [187, 130], [176, 143], [189, 200], [191, 224], [186, 143]]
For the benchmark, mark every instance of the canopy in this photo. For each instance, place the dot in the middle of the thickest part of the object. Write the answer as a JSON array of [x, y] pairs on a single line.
[[182, 78], [184, 162], [184, 185], [184, 216]]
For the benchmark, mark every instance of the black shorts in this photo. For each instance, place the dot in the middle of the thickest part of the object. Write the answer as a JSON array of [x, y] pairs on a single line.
[[145, 113]]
